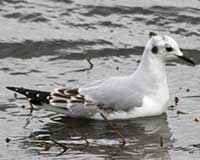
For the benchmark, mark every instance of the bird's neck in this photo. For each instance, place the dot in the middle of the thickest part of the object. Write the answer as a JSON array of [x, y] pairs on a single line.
[[151, 67]]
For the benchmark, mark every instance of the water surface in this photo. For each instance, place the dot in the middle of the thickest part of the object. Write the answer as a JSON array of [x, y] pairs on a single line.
[[45, 44]]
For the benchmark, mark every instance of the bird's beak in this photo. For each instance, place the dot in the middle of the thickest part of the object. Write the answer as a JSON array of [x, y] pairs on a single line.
[[180, 55]]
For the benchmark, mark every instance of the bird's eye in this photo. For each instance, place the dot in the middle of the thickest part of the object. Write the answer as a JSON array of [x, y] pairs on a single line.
[[169, 49]]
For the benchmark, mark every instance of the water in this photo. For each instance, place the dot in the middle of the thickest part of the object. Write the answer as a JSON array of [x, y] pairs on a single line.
[[44, 44]]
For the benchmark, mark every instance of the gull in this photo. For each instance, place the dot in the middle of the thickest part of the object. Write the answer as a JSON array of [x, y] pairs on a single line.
[[141, 94]]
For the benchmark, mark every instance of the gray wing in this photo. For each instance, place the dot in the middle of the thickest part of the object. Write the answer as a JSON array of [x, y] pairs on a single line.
[[117, 93]]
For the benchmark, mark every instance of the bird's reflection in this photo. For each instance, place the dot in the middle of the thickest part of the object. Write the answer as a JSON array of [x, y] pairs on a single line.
[[143, 135]]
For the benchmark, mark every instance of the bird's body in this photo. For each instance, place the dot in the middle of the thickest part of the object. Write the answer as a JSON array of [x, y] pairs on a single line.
[[143, 93]]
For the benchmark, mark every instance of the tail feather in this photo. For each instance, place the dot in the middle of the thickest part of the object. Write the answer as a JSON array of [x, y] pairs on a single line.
[[36, 97]]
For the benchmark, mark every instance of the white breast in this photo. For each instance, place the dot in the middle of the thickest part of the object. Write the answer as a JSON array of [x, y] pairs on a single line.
[[154, 104]]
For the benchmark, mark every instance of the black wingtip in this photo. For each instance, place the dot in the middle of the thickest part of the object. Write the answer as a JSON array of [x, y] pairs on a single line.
[[19, 90], [8, 87], [12, 88], [37, 97]]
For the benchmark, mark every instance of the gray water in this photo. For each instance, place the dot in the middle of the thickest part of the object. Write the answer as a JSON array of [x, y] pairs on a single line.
[[44, 44]]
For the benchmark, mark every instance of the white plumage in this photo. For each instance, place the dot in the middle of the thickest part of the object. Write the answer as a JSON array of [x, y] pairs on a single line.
[[143, 93]]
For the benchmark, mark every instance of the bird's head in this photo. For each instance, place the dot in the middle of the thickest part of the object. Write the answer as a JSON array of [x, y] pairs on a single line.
[[164, 48]]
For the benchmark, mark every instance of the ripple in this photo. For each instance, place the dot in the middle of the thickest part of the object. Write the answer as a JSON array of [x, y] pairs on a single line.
[[33, 17], [30, 49], [106, 11], [44, 44], [111, 24], [19, 73], [13, 15], [105, 52], [62, 1], [5, 69], [185, 18], [14, 1]]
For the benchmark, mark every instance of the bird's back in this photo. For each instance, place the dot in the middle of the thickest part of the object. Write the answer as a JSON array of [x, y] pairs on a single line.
[[118, 93]]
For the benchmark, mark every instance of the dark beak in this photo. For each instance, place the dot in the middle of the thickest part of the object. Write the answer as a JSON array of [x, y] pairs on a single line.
[[187, 60]]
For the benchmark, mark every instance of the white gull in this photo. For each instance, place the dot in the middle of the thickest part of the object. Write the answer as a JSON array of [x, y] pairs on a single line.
[[141, 94]]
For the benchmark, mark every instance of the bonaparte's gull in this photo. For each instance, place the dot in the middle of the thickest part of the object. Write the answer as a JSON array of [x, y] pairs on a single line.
[[143, 93]]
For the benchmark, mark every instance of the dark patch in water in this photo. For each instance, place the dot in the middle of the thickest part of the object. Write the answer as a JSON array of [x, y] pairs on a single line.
[[181, 31], [34, 17], [106, 11], [4, 107], [14, 1], [71, 80], [105, 52], [63, 1], [29, 49], [111, 24], [192, 34], [13, 15], [164, 10], [51, 77], [190, 149], [166, 15], [40, 19], [6, 69], [35, 71], [82, 25], [186, 18], [139, 19], [19, 73]]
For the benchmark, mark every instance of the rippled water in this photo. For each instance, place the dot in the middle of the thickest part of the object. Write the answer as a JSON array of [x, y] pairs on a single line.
[[45, 43]]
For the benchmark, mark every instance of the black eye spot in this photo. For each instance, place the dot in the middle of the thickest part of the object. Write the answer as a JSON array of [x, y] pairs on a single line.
[[154, 50], [169, 49]]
